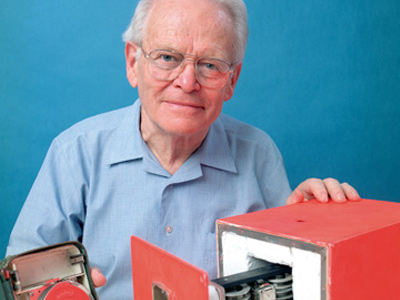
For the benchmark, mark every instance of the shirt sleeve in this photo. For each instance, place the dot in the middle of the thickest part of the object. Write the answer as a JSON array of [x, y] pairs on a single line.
[[275, 186], [271, 173], [54, 211]]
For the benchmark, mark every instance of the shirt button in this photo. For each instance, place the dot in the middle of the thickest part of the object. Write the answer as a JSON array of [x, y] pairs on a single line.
[[169, 229]]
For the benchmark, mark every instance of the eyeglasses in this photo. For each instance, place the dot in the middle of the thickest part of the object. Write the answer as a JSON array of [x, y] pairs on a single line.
[[167, 65]]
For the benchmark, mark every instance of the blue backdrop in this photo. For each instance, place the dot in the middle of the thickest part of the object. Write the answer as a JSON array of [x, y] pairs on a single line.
[[320, 76]]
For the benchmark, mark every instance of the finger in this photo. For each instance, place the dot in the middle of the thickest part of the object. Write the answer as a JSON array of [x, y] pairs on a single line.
[[97, 277], [317, 190], [350, 192], [335, 190], [310, 189], [296, 197]]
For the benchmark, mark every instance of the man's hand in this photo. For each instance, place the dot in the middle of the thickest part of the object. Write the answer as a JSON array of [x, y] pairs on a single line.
[[323, 190], [97, 277]]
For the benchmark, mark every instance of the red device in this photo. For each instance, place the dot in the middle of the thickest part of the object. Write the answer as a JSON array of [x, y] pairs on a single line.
[[335, 252], [350, 251]]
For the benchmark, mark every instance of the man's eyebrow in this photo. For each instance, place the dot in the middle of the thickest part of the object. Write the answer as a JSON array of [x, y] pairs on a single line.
[[208, 53]]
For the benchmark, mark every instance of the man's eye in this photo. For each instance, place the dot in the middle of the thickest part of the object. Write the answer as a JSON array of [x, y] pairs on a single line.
[[211, 66], [166, 57]]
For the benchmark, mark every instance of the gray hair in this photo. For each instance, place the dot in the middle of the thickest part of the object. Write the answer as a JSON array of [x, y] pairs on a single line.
[[236, 8]]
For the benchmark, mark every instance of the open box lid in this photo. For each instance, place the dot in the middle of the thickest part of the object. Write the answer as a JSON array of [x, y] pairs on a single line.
[[159, 273]]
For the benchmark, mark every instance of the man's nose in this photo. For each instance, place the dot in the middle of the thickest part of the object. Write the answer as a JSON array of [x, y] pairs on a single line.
[[187, 79]]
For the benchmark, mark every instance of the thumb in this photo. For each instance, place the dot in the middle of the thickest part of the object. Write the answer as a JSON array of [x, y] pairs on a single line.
[[97, 277]]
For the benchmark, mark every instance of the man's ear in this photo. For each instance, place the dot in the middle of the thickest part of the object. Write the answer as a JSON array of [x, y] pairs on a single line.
[[131, 59], [232, 82]]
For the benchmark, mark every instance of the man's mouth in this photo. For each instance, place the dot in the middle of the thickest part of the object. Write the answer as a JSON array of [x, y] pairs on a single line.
[[183, 105]]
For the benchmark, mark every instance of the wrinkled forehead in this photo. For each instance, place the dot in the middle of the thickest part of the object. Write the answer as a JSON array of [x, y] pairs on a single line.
[[201, 26]]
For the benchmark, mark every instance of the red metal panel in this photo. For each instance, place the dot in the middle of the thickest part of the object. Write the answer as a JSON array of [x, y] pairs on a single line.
[[316, 222], [366, 266], [152, 265]]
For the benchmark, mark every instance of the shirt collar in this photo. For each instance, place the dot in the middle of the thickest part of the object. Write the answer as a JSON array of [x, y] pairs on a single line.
[[215, 151], [128, 144], [126, 140]]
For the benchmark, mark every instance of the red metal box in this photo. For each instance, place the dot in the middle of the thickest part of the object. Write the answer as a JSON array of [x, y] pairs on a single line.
[[336, 251]]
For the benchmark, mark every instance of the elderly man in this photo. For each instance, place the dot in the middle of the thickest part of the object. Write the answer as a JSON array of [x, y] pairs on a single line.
[[166, 168]]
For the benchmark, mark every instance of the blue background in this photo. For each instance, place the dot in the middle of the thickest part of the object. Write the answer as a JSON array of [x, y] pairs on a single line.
[[320, 76]]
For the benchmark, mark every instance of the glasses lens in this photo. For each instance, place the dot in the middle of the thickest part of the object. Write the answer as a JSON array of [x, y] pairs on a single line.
[[164, 64], [212, 72]]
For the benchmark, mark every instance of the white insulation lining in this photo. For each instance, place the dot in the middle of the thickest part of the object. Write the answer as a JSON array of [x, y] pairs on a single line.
[[242, 253]]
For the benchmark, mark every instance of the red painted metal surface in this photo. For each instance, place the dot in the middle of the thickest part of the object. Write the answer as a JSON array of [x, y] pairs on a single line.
[[362, 239], [65, 290], [153, 266]]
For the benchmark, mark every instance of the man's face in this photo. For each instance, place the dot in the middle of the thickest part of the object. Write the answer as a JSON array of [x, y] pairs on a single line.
[[183, 107]]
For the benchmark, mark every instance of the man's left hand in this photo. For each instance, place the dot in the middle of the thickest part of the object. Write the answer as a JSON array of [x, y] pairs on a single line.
[[323, 191]]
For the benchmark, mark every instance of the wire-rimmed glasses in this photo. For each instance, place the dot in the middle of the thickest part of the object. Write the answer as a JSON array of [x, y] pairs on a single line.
[[167, 65]]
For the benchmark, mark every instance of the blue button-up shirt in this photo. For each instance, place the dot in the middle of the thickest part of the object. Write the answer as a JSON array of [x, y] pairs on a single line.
[[100, 184]]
